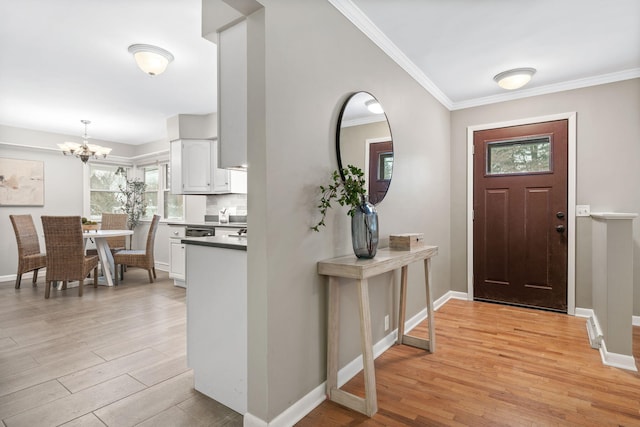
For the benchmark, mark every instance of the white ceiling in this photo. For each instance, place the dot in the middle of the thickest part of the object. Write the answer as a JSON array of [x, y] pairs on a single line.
[[67, 60]]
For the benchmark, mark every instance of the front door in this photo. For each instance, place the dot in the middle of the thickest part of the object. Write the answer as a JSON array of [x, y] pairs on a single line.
[[520, 215], [380, 169]]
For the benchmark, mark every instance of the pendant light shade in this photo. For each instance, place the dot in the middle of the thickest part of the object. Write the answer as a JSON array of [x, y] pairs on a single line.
[[152, 60], [514, 79]]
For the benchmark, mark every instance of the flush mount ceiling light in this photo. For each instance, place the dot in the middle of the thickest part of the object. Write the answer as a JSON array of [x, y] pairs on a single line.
[[85, 150], [153, 60], [374, 106], [514, 79]]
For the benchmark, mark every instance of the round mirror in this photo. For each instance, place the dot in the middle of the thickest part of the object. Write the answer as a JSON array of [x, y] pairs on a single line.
[[363, 139]]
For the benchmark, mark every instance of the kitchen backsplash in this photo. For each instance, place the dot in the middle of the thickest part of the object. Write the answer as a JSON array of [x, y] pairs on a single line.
[[236, 204]]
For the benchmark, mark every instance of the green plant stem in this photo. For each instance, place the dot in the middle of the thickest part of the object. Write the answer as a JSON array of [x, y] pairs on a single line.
[[348, 192]]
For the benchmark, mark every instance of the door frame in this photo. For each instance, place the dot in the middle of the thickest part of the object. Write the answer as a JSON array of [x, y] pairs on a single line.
[[571, 198], [367, 144]]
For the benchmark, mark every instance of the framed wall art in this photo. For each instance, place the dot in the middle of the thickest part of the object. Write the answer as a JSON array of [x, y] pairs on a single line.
[[21, 182]]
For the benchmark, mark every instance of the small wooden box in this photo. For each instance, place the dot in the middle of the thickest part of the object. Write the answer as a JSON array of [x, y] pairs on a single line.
[[89, 227], [406, 241]]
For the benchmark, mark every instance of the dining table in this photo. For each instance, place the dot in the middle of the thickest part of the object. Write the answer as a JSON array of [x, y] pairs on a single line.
[[104, 252]]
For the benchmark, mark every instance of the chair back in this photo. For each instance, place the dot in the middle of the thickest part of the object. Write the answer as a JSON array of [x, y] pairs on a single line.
[[112, 221], [65, 247], [151, 237], [26, 235]]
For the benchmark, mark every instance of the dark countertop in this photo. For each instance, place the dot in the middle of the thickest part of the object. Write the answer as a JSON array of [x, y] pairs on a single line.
[[210, 224], [227, 242]]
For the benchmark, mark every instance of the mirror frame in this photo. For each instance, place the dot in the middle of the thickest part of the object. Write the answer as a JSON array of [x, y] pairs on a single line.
[[339, 128]]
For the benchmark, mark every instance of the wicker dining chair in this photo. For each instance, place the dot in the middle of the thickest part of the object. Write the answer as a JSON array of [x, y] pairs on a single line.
[[140, 258], [112, 221], [29, 256], [66, 260]]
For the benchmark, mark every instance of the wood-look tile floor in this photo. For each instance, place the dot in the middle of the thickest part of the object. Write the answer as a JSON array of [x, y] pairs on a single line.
[[495, 365], [114, 357]]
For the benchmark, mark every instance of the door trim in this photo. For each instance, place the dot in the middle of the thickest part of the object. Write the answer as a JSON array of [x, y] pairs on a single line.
[[367, 144], [571, 198]]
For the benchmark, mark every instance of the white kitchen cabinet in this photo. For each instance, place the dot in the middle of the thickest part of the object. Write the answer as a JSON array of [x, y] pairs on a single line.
[[177, 256], [232, 95], [194, 169]]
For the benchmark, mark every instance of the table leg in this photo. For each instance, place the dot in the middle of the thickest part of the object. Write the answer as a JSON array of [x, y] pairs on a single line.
[[403, 304], [425, 344], [106, 259], [371, 397], [430, 314], [333, 335], [368, 405]]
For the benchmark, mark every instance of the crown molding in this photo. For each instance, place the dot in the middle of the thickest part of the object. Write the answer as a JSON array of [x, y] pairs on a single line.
[[364, 120], [369, 29], [364, 24], [552, 88], [133, 160]]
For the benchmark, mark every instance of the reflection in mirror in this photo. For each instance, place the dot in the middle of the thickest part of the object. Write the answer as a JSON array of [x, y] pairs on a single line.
[[363, 139]]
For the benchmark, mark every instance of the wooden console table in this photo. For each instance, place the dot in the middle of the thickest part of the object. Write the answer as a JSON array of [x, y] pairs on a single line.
[[351, 267]]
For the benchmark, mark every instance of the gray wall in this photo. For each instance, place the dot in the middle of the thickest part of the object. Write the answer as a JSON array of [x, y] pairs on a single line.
[[299, 76], [353, 142], [608, 172]]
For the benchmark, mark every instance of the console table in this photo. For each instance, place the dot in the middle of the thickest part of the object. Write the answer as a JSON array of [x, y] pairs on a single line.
[[351, 267]]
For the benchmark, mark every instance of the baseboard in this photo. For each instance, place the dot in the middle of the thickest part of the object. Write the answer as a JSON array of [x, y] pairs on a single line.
[[28, 275], [162, 266], [617, 360], [635, 320], [583, 312], [10, 277], [293, 413], [249, 420], [593, 328], [448, 296], [596, 340], [311, 400]]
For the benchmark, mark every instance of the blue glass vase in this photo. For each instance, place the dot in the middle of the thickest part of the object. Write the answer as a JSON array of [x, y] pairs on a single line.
[[364, 230]]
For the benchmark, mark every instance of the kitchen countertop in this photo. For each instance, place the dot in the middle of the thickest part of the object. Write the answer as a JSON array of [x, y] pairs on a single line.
[[210, 224], [228, 242]]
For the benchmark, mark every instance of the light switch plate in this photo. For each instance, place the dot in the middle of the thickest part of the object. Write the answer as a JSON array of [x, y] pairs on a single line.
[[583, 210]]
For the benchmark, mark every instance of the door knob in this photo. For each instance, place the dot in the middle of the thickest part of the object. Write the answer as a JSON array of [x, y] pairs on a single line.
[[560, 215], [560, 228]]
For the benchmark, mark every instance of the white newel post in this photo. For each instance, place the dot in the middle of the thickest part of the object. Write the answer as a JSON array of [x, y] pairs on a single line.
[[612, 293]]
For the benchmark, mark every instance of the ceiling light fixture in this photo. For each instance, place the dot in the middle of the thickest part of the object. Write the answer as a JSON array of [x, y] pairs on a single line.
[[84, 151], [153, 60], [374, 106], [514, 79]]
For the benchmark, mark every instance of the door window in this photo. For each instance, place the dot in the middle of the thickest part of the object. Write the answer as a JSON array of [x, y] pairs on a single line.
[[531, 155]]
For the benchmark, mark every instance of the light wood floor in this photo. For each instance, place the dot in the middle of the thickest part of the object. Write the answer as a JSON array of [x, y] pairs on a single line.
[[496, 366], [114, 357]]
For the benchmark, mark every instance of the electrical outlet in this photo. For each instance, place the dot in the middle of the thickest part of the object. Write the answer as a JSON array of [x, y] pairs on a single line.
[[583, 210], [386, 322]]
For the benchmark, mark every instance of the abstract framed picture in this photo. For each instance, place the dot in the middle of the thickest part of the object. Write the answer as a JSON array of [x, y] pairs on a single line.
[[21, 182]]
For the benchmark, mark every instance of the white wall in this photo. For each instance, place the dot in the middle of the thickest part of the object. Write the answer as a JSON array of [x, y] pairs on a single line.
[[63, 181], [62, 196]]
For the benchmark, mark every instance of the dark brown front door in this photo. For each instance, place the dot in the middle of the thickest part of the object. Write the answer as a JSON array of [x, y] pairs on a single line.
[[380, 169], [520, 215]]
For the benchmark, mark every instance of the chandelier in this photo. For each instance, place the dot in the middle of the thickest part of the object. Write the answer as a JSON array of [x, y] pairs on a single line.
[[84, 151]]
